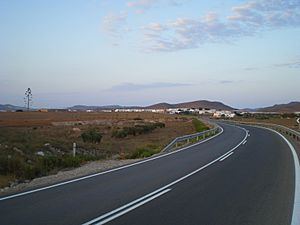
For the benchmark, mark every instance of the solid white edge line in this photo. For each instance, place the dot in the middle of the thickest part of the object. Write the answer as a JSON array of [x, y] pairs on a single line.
[[226, 156], [108, 171], [182, 178], [245, 142], [132, 207], [296, 208]]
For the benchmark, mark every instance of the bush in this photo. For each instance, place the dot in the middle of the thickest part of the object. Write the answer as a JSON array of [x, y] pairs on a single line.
[[199, 126], [137, 129], [71, 161], [13, 165], [92, 136], [144, 152], [160, 125], [262, 117], [119, 134]]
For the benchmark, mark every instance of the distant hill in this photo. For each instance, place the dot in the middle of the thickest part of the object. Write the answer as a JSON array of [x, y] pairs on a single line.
[[107, 107], [290, 107], [194, 104], [89, 107], [247, 110], [162, 105], [8, 107], [287, 108]]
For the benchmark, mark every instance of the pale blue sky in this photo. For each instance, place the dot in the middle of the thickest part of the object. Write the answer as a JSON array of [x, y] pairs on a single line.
[[140, 52]]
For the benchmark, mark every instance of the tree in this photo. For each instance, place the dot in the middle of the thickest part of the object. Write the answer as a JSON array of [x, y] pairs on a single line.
[[28, 98]]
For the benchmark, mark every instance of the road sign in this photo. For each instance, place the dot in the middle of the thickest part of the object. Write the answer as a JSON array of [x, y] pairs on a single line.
[[298, 120]]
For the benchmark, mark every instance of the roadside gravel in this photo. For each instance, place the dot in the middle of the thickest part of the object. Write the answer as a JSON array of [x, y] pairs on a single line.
[[86, 169]]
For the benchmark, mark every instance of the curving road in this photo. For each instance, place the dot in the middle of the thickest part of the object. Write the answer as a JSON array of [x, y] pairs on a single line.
[[242, 176]]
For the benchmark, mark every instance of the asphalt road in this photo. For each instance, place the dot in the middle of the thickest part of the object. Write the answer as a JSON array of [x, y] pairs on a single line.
[[224, 181]]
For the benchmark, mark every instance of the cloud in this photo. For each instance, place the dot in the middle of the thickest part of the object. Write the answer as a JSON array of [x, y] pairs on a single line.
[[268, 13], [113, 24], [155, 27], [290, 64], [251, 68], [141, 6], [139, 87], [245, 20], [185, 33], [178, 2], [226, 81]]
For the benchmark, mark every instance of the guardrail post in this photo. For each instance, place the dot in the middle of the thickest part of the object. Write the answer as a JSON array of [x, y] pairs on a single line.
[[176, 144], [188, 141], [74, 149]]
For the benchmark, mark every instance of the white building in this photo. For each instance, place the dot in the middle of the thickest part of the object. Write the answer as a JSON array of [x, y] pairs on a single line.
[[226, 114]]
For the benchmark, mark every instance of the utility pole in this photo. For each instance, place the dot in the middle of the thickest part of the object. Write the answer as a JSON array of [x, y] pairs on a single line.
[[28, 98]]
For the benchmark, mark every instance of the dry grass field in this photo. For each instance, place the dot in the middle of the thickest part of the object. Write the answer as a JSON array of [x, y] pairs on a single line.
[[35, 144], [288, 122], [30, 119], [34, 129]]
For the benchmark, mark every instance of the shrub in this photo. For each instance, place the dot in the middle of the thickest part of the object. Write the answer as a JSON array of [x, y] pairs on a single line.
[[13, 165], [160, 125], [119, 134], [143, 152], [199, 126], [262, 117], [137, 129], [92, 136], [71, 161]]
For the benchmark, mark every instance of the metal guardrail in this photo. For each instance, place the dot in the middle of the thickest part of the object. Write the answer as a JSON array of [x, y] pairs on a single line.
[[187, 138], [282, 129]]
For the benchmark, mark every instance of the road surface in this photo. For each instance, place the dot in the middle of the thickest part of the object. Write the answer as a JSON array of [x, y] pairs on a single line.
[[242, 176]]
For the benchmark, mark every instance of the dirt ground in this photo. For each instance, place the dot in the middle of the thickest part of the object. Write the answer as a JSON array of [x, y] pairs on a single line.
[[25, 119], [288, 122], [34, 144], [62, 129]]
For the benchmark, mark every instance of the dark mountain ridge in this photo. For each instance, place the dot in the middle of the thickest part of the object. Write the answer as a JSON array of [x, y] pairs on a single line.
[[287, 108], [280, 108], [193, 104]]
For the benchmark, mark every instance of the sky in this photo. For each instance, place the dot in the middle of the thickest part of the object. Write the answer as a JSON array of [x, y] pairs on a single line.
[[139, 52]]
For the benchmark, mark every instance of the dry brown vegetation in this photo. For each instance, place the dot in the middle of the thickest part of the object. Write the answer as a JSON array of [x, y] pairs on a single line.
[[288, 122], [24, 119], [54, 126], [26, 135]]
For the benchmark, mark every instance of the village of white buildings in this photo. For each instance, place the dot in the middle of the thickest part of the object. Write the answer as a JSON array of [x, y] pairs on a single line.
[[209, 112]]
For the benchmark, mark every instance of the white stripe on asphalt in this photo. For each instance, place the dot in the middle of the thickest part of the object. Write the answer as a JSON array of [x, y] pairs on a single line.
[[105, 172], [176, 181], [123, 207], [245, 142], [226, 156], [105, 219]]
